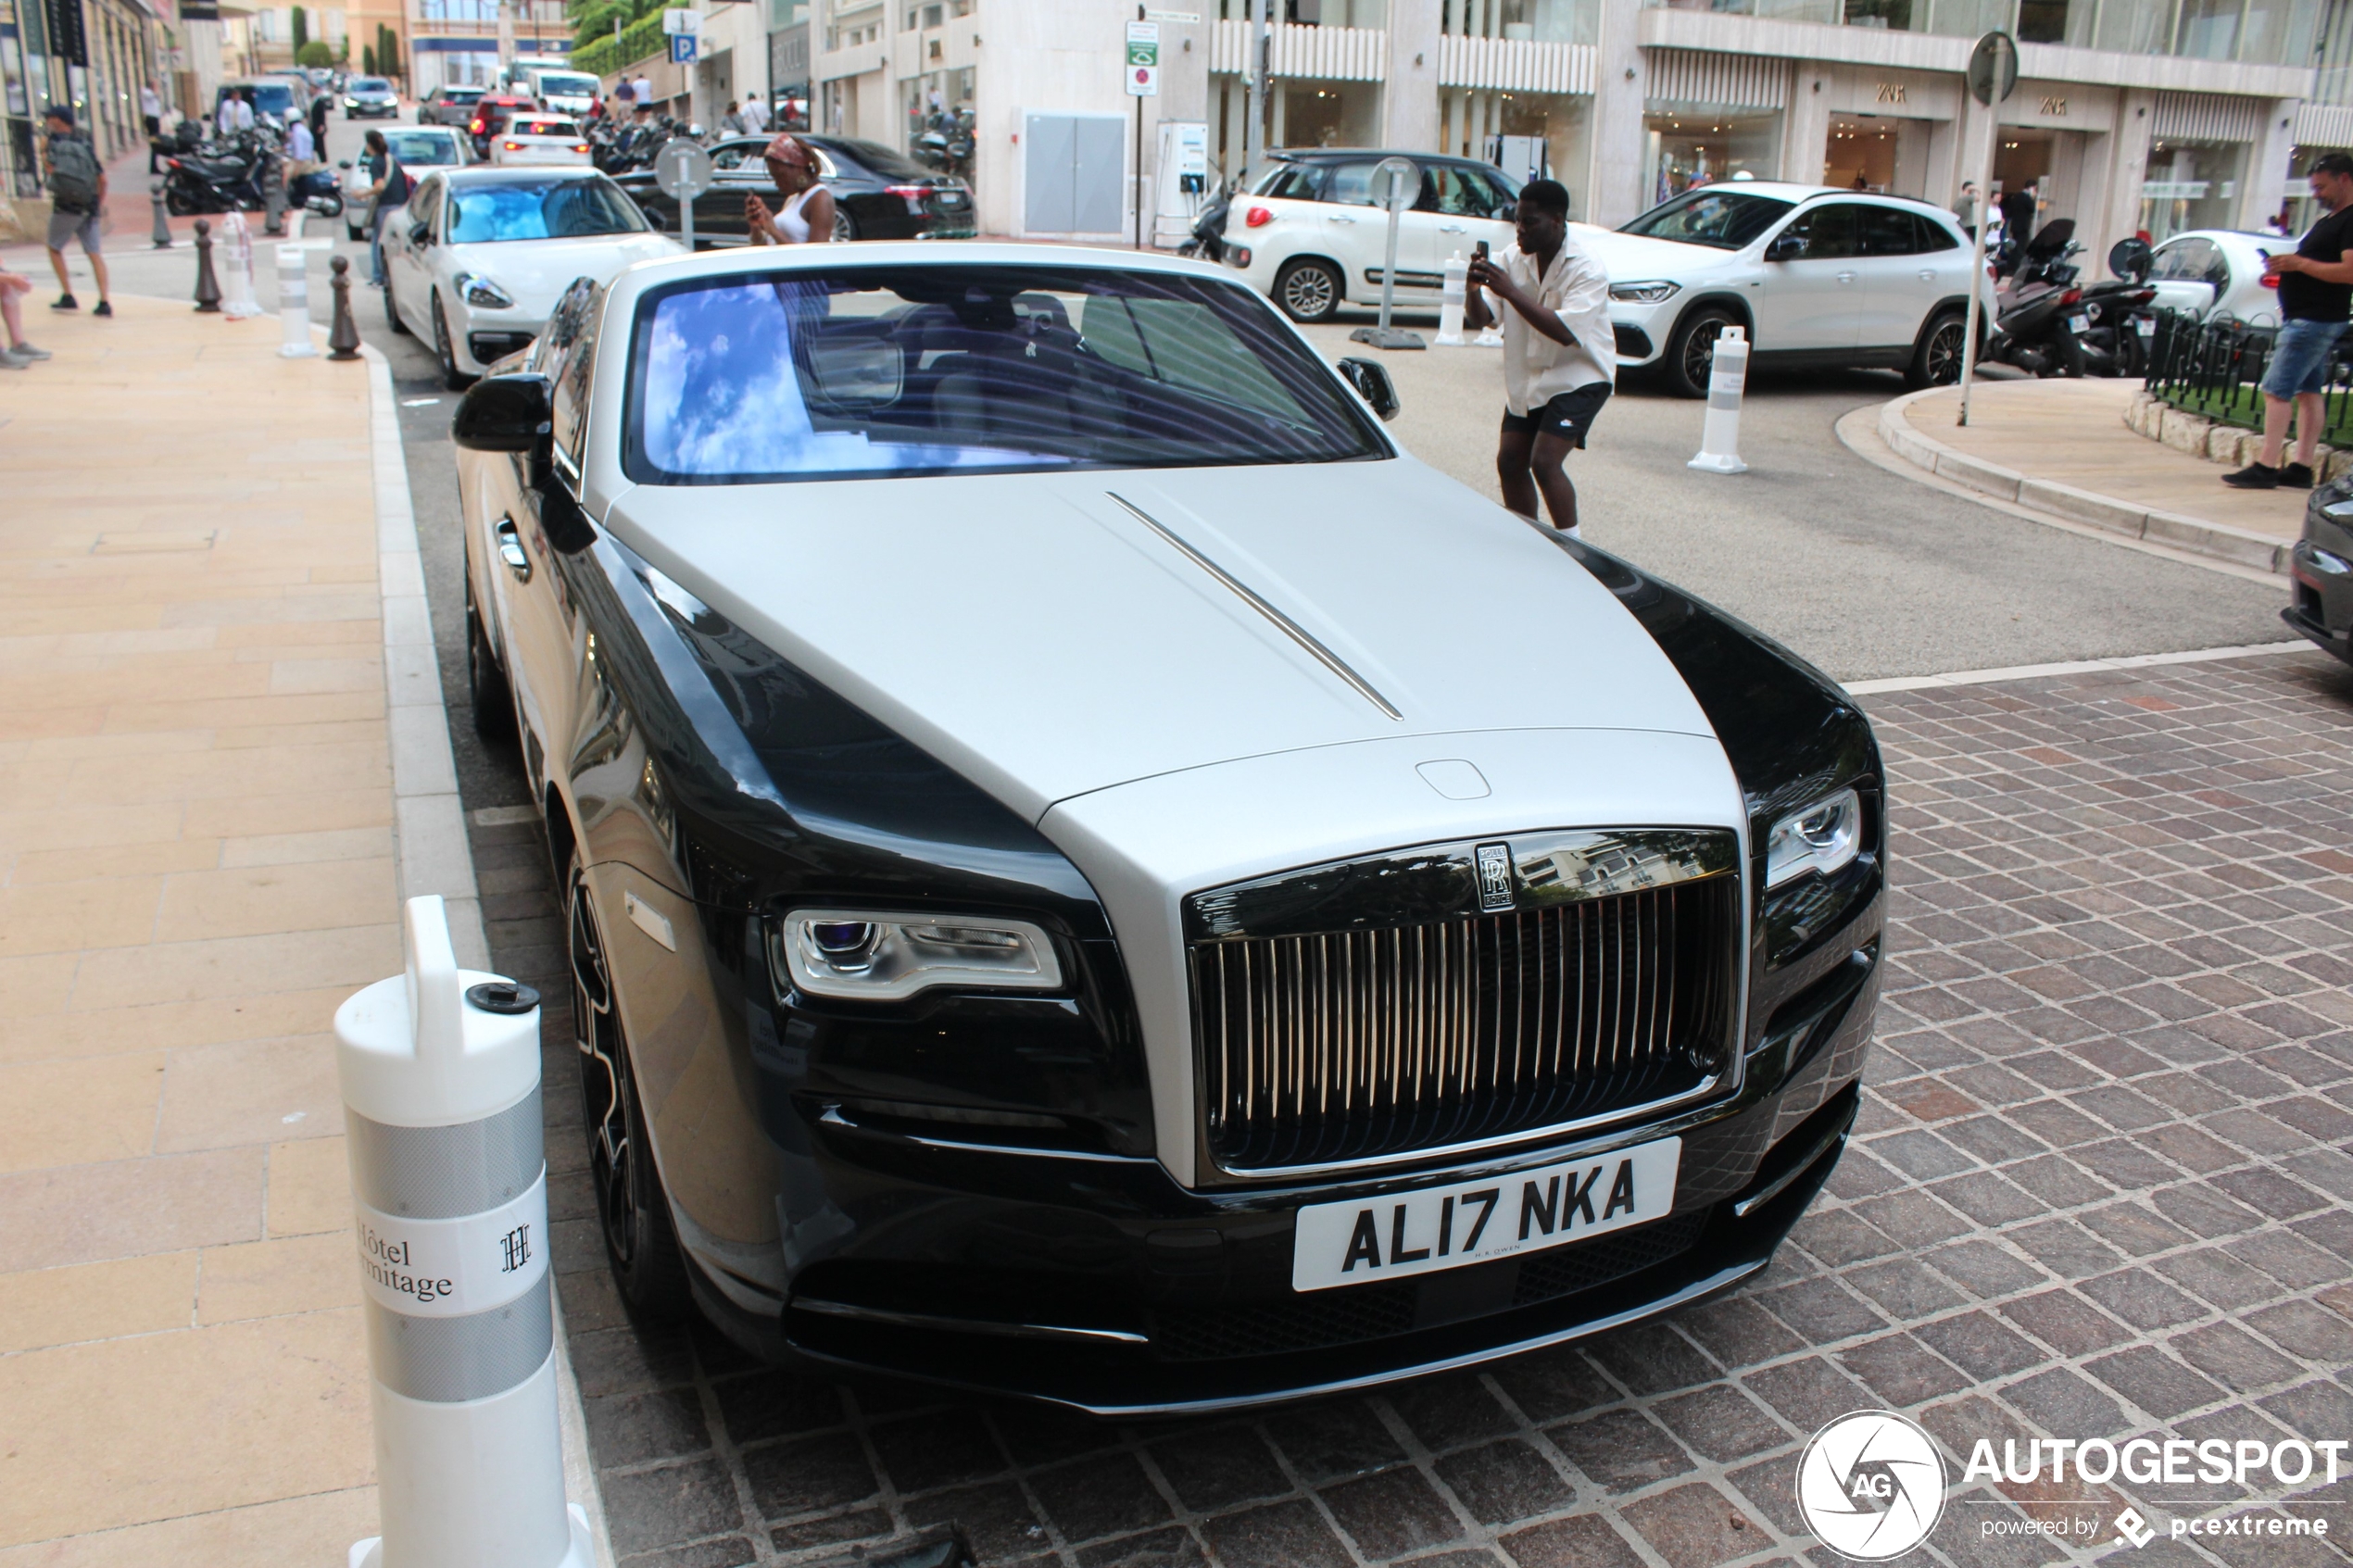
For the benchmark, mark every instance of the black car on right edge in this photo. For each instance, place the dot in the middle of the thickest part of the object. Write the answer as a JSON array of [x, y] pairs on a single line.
[[878, 193], [2322, 572]]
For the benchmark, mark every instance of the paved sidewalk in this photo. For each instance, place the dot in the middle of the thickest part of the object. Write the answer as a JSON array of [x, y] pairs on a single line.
[[2073, 433], [197, 865]]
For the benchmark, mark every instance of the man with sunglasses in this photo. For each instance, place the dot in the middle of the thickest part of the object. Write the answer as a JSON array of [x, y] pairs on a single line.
[[806, 216]]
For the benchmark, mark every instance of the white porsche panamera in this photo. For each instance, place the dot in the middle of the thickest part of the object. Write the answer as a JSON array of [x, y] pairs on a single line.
[[1093, 874], [478, 257]]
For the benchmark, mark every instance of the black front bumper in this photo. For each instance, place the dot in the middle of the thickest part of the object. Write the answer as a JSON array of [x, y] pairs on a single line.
[[1099, 1285]]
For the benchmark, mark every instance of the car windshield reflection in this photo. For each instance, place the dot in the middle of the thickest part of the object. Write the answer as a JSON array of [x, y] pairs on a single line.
[[1714, 216], [530, 209]]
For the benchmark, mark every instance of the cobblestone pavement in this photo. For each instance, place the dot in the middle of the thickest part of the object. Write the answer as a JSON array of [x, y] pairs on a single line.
[[2099, 1189]]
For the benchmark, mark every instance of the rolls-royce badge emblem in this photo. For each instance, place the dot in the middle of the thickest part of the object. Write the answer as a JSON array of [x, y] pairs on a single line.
[[1494, 878]]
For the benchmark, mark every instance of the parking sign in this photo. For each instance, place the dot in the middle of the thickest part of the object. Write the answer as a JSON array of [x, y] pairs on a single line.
[[1143, 59]]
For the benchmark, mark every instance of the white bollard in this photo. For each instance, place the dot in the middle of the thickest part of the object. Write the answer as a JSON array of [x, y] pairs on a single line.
[[440, 1071], [294, 305], [1455, 290], [237, 242], [1719, 441]]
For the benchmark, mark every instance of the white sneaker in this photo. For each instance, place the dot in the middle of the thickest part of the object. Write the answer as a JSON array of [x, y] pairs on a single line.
[[12, 360], [26, 351]]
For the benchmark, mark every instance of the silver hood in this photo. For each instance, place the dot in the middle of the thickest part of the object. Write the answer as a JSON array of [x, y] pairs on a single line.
[[1047, 640]]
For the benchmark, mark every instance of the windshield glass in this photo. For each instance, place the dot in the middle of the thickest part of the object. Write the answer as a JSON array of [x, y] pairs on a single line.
[[542, 128], [537, 210], [371, 85], [876, 371], [267, 97], [1714, 216], [420, 148], [566, 85]]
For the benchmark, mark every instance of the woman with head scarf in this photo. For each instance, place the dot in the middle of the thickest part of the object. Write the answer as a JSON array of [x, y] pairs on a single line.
[[806, 215]]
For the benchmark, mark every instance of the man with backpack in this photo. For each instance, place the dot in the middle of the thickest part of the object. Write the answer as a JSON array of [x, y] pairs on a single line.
[[77, 194]]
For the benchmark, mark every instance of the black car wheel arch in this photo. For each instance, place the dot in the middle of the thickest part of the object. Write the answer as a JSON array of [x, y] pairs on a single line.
[[1937, 359], [1690, 349]]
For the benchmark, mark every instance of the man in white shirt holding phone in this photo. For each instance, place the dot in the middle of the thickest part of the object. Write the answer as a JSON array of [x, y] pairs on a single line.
[[1560, 353]]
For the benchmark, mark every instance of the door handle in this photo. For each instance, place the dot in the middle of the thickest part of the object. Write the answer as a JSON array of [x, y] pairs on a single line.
[[1928, 274], [1846, 277], [510, 550], [1454, 228], [1338, 218]]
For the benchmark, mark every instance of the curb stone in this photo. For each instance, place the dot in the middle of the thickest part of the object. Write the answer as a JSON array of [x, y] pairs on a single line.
[[2202, 436], [2238, 545], [432, 852]]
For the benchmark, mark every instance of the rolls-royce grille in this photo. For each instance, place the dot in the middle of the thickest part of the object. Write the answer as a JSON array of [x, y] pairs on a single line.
[[1330, 1048]]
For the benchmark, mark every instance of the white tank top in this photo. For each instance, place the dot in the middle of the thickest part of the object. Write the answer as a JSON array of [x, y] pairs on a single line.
[[791, 227]]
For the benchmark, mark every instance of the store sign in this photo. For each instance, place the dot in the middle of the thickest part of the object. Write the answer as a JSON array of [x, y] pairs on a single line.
[[2054, 107], [1891, 91], [2174, 190]]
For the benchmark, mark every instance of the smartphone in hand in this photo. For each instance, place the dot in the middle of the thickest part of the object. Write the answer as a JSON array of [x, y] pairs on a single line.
[[1479, 250]]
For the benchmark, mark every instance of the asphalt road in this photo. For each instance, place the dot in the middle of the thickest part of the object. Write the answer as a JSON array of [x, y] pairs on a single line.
[[1866, 572]]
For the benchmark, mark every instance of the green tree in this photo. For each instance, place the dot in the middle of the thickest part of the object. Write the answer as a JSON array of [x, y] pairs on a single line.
[[387, 52], [367, 59], [301, 31], [317, 53]]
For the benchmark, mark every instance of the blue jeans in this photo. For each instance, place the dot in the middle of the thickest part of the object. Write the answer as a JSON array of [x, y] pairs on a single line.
[[2300, 357], [376, 245]]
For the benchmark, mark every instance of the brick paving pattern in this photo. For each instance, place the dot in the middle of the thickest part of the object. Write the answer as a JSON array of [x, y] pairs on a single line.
[[2099, 1189]]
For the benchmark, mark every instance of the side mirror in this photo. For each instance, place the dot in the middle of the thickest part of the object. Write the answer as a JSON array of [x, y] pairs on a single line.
[[1786, 247], [1370, 378], [420, 234], [509, 413], [2130, 257]]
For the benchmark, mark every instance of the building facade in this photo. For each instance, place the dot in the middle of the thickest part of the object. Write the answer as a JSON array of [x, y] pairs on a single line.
[[91, 54], [2129, 114]]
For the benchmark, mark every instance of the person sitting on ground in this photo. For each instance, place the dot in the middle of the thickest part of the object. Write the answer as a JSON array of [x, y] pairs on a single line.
[[14, 286], [807, 215]]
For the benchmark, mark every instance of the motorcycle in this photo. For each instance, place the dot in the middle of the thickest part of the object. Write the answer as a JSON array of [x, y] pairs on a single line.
[[2037, 326], [2120, 313], [224, 176], [946, 143], [316, 191]]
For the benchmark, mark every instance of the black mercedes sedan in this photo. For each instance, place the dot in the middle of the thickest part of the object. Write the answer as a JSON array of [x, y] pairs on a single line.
[[1091, 874], [878, 194], [2321, 572]]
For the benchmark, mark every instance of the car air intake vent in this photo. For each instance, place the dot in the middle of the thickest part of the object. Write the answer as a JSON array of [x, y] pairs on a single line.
[[1337, 1048]]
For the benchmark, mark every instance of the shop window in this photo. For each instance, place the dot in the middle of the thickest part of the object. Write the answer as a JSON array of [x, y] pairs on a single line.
[[2042, 21], [1691, 149], [1895, 16], [2209, 30]]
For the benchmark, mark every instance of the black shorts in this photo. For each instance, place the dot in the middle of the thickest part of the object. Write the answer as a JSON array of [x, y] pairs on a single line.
[[1569, 415]]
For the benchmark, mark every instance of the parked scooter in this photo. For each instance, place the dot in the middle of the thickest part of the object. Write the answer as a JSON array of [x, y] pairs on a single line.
[[318, 192], [2038, 327], [946, 143], [215, 177], [2122, 313]]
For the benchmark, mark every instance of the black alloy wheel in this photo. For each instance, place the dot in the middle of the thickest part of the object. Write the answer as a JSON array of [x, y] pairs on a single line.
[[1309, 291], [1690, 356], [453, 378], [1937, 361], [641, 1248], [487, 686]]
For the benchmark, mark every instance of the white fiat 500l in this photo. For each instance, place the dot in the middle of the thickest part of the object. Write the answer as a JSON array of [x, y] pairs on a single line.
[[479, 257], [1316, 241], [1083, 876], [1815, 276]]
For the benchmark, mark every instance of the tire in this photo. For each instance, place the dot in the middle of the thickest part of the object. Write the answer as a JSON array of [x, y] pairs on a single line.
[[1690, 353], [1937, 361], [453, 378], [633, 1211], [392, 310], [1309, 291], [845, 227], [486, 687], [177, 202]]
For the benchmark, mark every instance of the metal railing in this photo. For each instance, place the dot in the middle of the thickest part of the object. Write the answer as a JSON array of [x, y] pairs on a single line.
[[2214, 368]]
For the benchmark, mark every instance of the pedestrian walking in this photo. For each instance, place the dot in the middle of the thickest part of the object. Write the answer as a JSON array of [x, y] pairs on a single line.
[[2315, 299], [645, 91], [807, 215], [319, 123], [732, 122], [1965, 210], [151, 116], [1560, 354], [77, 195], [625, 95], [755, 116], [14, 287], [387, 190]]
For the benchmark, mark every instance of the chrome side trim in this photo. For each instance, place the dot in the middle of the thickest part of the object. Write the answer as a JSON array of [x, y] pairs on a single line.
[[832, 1117], [1283, 623], [967, 1326]]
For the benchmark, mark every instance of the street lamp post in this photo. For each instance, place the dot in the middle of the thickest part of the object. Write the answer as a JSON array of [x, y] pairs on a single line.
[[1993, 76]]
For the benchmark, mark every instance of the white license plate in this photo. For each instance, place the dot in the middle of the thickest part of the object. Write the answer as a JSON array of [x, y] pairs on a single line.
[[1420, 1232], [2145, 326], [2079, 323]]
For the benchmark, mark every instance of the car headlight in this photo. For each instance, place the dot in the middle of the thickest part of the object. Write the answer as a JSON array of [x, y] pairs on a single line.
[[2325, 562], [869, 956], [481, 291], [1650, 292], [351, 102], [2339, 512], [1824, 837]]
